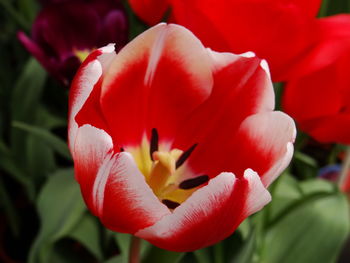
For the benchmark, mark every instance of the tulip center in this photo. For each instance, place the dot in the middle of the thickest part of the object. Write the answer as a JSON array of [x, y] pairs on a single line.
[[164, 171]]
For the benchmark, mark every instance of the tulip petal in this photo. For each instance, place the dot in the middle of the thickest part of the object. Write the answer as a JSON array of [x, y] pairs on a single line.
[[329, 129], [129, 202], [160, 78], [332, 43], [82, 91], [150, 11], [242, 87], [114, 29], [211, 214], [264, 143], [91, 154], [79, 31], [107, 179], [310, 96]]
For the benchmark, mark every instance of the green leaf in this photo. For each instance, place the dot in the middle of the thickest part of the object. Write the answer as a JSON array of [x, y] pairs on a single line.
[[29, 9], [48, 120], [27, 92], [55, 142], [306, 166], [306, 159], [202, 255], [8, 164], [158, 255], [60, 208], [219, 252], [285, 191], [40, 159], [16, 16], [25, 100], [87, 232], [311, 232], [312, 186], [9, 209], [246, 253]]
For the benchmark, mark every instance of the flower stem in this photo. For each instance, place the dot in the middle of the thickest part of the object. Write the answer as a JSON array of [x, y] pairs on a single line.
[[134, 252], [345, 169]]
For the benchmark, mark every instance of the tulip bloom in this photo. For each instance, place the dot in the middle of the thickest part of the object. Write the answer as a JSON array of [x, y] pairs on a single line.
[[65, 32], [319, 99], [175, 143], [282, 32]]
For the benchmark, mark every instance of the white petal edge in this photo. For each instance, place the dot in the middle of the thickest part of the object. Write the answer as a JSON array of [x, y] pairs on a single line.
[[259, 196], [279, 167], [94, 146], [125, 173], [269, 128], [218, 188], [265, 66], [222, 59], [153, 41]]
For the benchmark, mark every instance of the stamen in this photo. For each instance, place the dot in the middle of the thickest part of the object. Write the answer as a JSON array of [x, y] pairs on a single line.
[[194, 182], [170, 204], [184, 156], [154, 142]]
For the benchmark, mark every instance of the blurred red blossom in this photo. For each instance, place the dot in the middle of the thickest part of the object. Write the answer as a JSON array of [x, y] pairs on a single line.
[[173, 142], [319, 99], [280, 31], [65, 32]]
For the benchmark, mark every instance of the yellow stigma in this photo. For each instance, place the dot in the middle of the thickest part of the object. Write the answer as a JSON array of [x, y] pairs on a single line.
[[163, 167], [82, 54], [164, 170]]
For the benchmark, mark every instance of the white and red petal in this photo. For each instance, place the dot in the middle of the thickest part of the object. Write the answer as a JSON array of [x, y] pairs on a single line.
[[129, 204], [82, 88], [91, 151], [211, 214], [112, 186], [264, 143], [242, 87], [155, 81]]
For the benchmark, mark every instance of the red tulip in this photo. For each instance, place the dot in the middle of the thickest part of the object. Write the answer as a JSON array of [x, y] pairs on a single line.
[[65, 32], [280, 31], [319, 100], [175, 143]]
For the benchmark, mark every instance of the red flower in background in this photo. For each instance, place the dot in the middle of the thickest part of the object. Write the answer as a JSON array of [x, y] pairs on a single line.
[[65, 32], [280, 31], [319, 99], [175, 143]]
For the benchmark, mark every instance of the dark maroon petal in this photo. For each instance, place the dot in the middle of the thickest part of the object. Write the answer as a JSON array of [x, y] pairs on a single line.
[[69, 68], [114, 29], [62, 28], [103, 7], [48, 63]]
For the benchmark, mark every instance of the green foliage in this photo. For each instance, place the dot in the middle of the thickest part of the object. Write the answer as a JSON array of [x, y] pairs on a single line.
[[56, 143], [60, 209], [87, 232], [311, 225], [312, 231]]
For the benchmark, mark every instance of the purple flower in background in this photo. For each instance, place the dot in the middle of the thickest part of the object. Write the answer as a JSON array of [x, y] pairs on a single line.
[[65, 32], [330, 172]]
